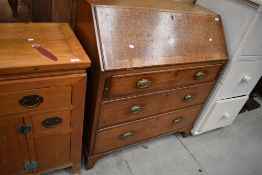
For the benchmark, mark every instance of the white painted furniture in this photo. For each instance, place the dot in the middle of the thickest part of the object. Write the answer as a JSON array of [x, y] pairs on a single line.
[[243, 31]]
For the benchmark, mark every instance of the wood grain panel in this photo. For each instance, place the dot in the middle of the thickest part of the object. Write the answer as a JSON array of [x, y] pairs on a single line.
[[52, 150], [118, 111], [13, 147], [165, 79], [52, 98], [18, 56], [37, 120], [42, 10], [165, 38], [53, 11], [110, 139]]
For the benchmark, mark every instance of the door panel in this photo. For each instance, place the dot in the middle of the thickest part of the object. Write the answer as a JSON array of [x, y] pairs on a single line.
[[52, 150], [50, 141], [13, 147]]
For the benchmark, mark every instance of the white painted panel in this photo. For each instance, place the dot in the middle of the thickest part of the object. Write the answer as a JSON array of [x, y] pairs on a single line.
[[253, 44], [236, 19], [222, 113], [240, 78]]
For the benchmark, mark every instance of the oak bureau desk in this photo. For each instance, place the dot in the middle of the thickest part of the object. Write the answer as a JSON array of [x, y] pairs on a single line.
[[154, 65], [42, 98]]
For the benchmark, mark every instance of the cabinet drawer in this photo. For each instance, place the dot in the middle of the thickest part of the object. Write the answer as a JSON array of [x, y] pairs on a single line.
[[35, 99], [129, 109], [222, 113], [130, 133], [51, 121], [166, 79], [241, 78]]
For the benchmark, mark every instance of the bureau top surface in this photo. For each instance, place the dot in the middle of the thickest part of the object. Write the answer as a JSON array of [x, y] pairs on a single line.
[[144, 33], [163, 5], [26, 48]]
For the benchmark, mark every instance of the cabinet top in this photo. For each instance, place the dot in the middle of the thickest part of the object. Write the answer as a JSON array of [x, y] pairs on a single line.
[[162, 5], [39, 47], [140, 37]]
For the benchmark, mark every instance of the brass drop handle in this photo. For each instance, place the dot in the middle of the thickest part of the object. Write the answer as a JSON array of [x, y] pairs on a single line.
[[177, 120], [143, 83], [189, 98], [135, 109], [127, 135], [52, 122], [31, 101], [200, 75]]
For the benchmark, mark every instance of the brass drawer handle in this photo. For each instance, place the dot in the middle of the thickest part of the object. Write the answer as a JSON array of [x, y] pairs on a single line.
[[52, 122], [200, 75], [135, 109], [31, 101], [143, 83], [127, 135], [189, 98], [177, 120]]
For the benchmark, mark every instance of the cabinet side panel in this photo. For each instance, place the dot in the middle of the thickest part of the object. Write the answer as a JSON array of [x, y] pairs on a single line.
[[86, 32]]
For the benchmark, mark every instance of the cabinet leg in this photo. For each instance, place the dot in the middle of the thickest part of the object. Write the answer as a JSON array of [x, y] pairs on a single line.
[[75, 169], [91, 161], [185, 133]]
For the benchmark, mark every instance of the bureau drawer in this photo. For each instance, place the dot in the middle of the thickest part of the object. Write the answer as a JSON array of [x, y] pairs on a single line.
[[129, 109], [35, 99], [166, 79], [123, 135], [51, 121]]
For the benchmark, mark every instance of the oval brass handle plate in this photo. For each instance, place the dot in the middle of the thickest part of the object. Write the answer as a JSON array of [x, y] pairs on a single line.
[[143, 83], [31, 101], [200, 75], [127, 135], [189, 98], [177, 120], [52, 122], [135, 109]]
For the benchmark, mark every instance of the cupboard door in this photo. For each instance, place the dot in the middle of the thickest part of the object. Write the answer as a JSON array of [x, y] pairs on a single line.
[[50, 141], [13, 147], [51, 150]]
